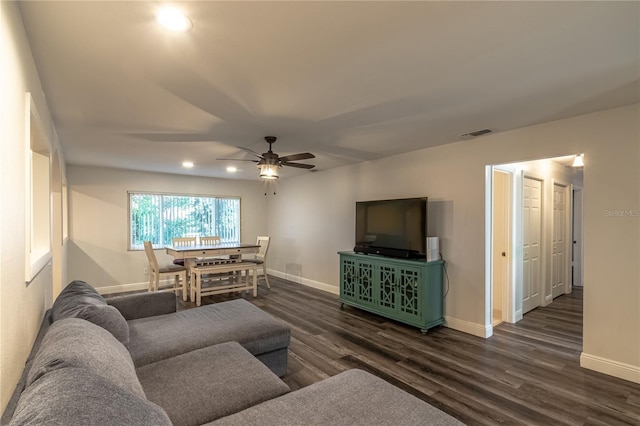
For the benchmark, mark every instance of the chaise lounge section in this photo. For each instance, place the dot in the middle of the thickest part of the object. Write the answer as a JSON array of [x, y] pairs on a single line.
[[151, 328], [168, 333]]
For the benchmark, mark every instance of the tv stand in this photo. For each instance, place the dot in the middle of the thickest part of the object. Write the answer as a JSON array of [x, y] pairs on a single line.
[[409, 291]]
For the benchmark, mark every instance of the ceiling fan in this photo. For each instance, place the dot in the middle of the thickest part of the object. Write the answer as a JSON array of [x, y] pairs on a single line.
[[269, 162]]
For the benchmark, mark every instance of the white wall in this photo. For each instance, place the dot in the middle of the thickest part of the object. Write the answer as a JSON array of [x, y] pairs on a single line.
[[98, 233], [22, 307], [312, 218]]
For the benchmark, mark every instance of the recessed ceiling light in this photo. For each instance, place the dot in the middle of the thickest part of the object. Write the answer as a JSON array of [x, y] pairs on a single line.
[[173, 19], [232, 169], [187, 164]]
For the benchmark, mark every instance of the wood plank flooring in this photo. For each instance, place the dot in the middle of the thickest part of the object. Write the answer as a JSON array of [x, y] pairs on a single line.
[[527, 373]]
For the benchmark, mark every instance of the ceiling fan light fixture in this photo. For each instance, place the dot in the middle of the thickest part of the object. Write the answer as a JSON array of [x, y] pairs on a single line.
[[268, 171], [173, 19], [578, 161]]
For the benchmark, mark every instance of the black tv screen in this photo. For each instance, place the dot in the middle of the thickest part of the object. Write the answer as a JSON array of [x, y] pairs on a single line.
[[392, 224]]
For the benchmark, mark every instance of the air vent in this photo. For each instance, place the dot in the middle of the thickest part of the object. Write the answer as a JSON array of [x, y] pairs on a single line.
[[476, 133]]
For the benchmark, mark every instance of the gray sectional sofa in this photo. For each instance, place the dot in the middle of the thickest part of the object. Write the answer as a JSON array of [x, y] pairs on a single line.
[[136, 361]]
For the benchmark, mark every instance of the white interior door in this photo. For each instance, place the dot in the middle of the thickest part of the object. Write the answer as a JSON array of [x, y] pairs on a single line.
[[500, 251], [531, 237], [559, 260], [576, 265]]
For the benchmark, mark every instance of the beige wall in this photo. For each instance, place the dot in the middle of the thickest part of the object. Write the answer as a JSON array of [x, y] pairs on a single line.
[[21, 307], [98, 234], [312, 218]]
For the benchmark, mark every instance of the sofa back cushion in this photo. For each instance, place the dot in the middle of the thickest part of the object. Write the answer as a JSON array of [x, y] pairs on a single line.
[[76, 343], [81, 300], [76, 396]]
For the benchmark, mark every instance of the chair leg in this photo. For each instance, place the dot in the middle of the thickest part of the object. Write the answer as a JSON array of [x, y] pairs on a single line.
[[156, 281], [192, 287], [255, 280], [176, 284], [184, 285], [264, 272], [150, 282], [198, 290]]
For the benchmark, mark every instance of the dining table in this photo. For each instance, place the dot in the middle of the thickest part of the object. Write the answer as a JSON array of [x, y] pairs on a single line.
[[207, 253], [233, 250], [222, 258]]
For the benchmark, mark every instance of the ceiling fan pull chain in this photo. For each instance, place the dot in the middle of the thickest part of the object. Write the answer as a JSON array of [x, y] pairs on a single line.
[[266, 186]]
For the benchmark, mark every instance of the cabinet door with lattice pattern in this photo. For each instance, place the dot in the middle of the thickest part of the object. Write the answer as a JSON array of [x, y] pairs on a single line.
[[410, 289], [348, 281], [387, 275], [365, 280]]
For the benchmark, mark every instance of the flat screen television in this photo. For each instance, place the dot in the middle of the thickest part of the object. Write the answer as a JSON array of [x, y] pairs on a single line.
[[396, 228]]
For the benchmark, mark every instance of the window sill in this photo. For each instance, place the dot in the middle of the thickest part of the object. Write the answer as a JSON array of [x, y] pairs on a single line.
[[37, 263]]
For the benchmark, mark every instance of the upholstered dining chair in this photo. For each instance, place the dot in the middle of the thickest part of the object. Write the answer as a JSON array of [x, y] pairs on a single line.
[[179, 273], [261, 256], [182, 242]]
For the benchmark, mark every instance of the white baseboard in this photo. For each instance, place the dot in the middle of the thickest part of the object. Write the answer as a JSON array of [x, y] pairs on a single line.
[[453, 323], [610, 367], [122, 288], [305, 281], [484, 331], [518, 315]]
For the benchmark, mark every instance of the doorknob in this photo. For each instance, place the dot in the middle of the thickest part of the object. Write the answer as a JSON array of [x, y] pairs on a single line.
[[504, 254]]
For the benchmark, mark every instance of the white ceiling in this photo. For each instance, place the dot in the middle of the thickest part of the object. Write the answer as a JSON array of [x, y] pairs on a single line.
[[347, 81]]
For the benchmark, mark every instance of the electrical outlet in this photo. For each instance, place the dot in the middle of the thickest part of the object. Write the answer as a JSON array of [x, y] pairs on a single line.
[[146, 271]]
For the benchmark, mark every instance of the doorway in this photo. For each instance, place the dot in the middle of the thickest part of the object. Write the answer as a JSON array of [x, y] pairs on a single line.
[[530, 211]]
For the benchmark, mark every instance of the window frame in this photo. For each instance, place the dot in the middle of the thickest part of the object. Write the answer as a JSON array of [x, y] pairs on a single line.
[[175, 194], [38, 203]]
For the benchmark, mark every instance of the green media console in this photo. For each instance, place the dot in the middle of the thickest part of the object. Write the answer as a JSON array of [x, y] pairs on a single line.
[[409, 291]]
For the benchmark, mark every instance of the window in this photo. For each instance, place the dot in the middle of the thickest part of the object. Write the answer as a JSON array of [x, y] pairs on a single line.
[[38, 193], [161, 217]]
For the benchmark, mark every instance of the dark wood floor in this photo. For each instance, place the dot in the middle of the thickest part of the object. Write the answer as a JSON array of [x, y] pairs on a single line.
[[526, 373]]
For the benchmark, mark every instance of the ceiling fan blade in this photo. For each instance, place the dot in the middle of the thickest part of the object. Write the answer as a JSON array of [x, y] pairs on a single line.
[[298, 165], [295, 157], [251, 151], [237, 159]]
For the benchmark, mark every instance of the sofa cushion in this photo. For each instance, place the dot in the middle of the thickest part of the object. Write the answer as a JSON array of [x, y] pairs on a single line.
[[73, 342], [142, 305], [165, 336], [353, 397], [76, 396], [81, 300], [209, 383]]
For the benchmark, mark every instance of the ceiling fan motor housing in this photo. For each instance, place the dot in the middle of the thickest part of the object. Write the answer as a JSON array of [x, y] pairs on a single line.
[[270, 157]]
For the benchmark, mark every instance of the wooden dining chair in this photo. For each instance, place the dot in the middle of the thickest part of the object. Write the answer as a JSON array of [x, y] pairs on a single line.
[[179, 273], [182, 242], [210, 241], [261, 257]]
